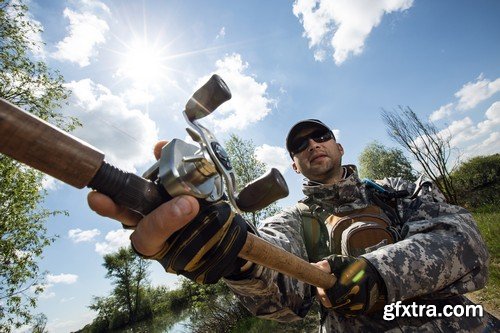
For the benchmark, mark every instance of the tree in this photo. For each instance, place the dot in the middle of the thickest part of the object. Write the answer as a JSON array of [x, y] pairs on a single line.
[[22, 240], [426, 144], [30, 84], [39, 324], [477, 181], [105, 308], [26, 82], [129, 273], [378, 161], [247, 168], [214, 308]]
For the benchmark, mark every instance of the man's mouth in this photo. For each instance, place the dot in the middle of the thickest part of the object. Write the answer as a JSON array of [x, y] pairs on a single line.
[[316, 157]]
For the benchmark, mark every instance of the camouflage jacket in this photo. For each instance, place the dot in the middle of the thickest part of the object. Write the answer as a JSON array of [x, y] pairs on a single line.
[[441, 257]]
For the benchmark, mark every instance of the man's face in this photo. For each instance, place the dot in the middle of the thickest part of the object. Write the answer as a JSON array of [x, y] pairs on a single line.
[[320, 161]]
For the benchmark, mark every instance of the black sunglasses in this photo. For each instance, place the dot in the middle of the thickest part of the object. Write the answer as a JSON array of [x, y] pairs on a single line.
[[300, 144]]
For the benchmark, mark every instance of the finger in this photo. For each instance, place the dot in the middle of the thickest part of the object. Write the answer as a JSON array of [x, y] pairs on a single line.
[[157, 149], [323, 265], [321, 295], [155, 228], [105, 206]]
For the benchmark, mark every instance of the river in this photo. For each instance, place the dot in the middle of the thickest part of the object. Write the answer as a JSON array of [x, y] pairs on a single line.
[[165, 324]]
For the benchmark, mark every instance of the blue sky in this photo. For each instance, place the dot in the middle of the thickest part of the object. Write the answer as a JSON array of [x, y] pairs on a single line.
[[132, 66]]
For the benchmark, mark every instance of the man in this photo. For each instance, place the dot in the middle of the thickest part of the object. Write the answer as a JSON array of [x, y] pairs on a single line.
[[440, 256]]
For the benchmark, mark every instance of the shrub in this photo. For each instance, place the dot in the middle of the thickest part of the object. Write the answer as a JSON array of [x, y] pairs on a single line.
[[477, 181]]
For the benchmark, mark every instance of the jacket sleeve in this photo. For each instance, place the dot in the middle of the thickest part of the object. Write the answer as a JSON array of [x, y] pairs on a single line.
[[442, 253], [267, 293]]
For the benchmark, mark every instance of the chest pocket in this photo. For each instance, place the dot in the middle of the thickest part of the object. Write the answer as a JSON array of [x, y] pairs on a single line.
[[354, 233], [360, 231]]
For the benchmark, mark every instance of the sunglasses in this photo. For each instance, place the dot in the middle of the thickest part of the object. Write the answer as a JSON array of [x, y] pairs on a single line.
[[300, 144]]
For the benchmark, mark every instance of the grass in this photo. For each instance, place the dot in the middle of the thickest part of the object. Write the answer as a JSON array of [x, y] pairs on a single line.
[[488, 221]]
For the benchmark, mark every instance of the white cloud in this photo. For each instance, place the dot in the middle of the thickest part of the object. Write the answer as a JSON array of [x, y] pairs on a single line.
[[469, 96], [50, 183], [78, 235], [343, 25], [459, 131], [273, 157], [114, 241], [66, 299], [249, 103], [476, 139], [62, 278], [93, 5], [46, 288], [221, 34], [136, 96], [336, 132], [492, 119], [85, 32], [125, 135], [320, 55], [443, 112], [473, 93], [487, 147]]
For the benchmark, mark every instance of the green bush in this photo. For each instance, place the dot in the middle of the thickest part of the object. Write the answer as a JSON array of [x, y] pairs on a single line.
[[477, 181], [118, 320]]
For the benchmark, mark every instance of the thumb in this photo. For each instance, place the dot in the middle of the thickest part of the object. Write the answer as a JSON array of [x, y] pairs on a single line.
[[155, 228]]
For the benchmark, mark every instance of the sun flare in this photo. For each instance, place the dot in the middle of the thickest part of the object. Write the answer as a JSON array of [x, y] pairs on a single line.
[[143, 63]]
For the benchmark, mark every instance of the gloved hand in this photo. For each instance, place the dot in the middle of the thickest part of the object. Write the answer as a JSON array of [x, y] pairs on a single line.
[[358, 287], [206, 249]]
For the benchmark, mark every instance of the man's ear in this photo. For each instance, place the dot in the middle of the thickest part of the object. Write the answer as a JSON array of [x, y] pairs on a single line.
[[294, 167], [341, 149]]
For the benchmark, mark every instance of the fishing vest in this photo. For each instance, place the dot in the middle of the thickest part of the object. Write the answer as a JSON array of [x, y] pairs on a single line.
[[350, 233]]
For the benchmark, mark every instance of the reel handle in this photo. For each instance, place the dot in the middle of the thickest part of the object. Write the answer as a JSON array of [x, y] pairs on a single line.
[[262, 191], [208, 98]]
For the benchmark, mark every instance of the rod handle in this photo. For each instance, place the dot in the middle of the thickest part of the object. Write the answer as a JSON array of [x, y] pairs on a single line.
[[261, 252]]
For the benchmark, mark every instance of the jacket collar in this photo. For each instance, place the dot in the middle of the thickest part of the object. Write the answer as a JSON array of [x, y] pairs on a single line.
[[346, 195]]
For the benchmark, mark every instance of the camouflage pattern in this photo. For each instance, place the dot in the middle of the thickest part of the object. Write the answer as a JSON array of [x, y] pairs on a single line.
[[441, 257]]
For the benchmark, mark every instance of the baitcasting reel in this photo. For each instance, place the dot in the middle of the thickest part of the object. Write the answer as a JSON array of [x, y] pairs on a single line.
[[205, 171]]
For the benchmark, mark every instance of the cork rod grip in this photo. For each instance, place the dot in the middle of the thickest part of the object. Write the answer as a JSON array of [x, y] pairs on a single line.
[[43, 146], [264, 253]]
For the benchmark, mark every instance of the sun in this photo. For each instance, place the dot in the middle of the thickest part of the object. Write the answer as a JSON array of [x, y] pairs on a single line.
[[143, 63]]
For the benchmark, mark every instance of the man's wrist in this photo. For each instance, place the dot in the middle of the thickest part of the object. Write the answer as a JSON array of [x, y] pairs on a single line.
[[244, 270]]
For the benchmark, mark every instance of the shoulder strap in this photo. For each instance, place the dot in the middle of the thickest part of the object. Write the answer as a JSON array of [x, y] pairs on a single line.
[[313, 233]]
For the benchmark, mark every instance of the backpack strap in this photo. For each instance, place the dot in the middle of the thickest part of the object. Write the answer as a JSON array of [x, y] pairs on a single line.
[[314, 233]]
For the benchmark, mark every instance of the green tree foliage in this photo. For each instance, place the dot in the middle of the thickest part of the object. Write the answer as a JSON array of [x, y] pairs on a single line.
[[30, 84], [247, 168], [39, 324], [26, 82], [22, 240], [478, 181], [128, 302], [129, 275], [378, 161]]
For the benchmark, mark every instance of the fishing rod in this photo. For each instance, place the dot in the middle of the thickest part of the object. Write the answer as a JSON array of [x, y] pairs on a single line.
[[202, 170]]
